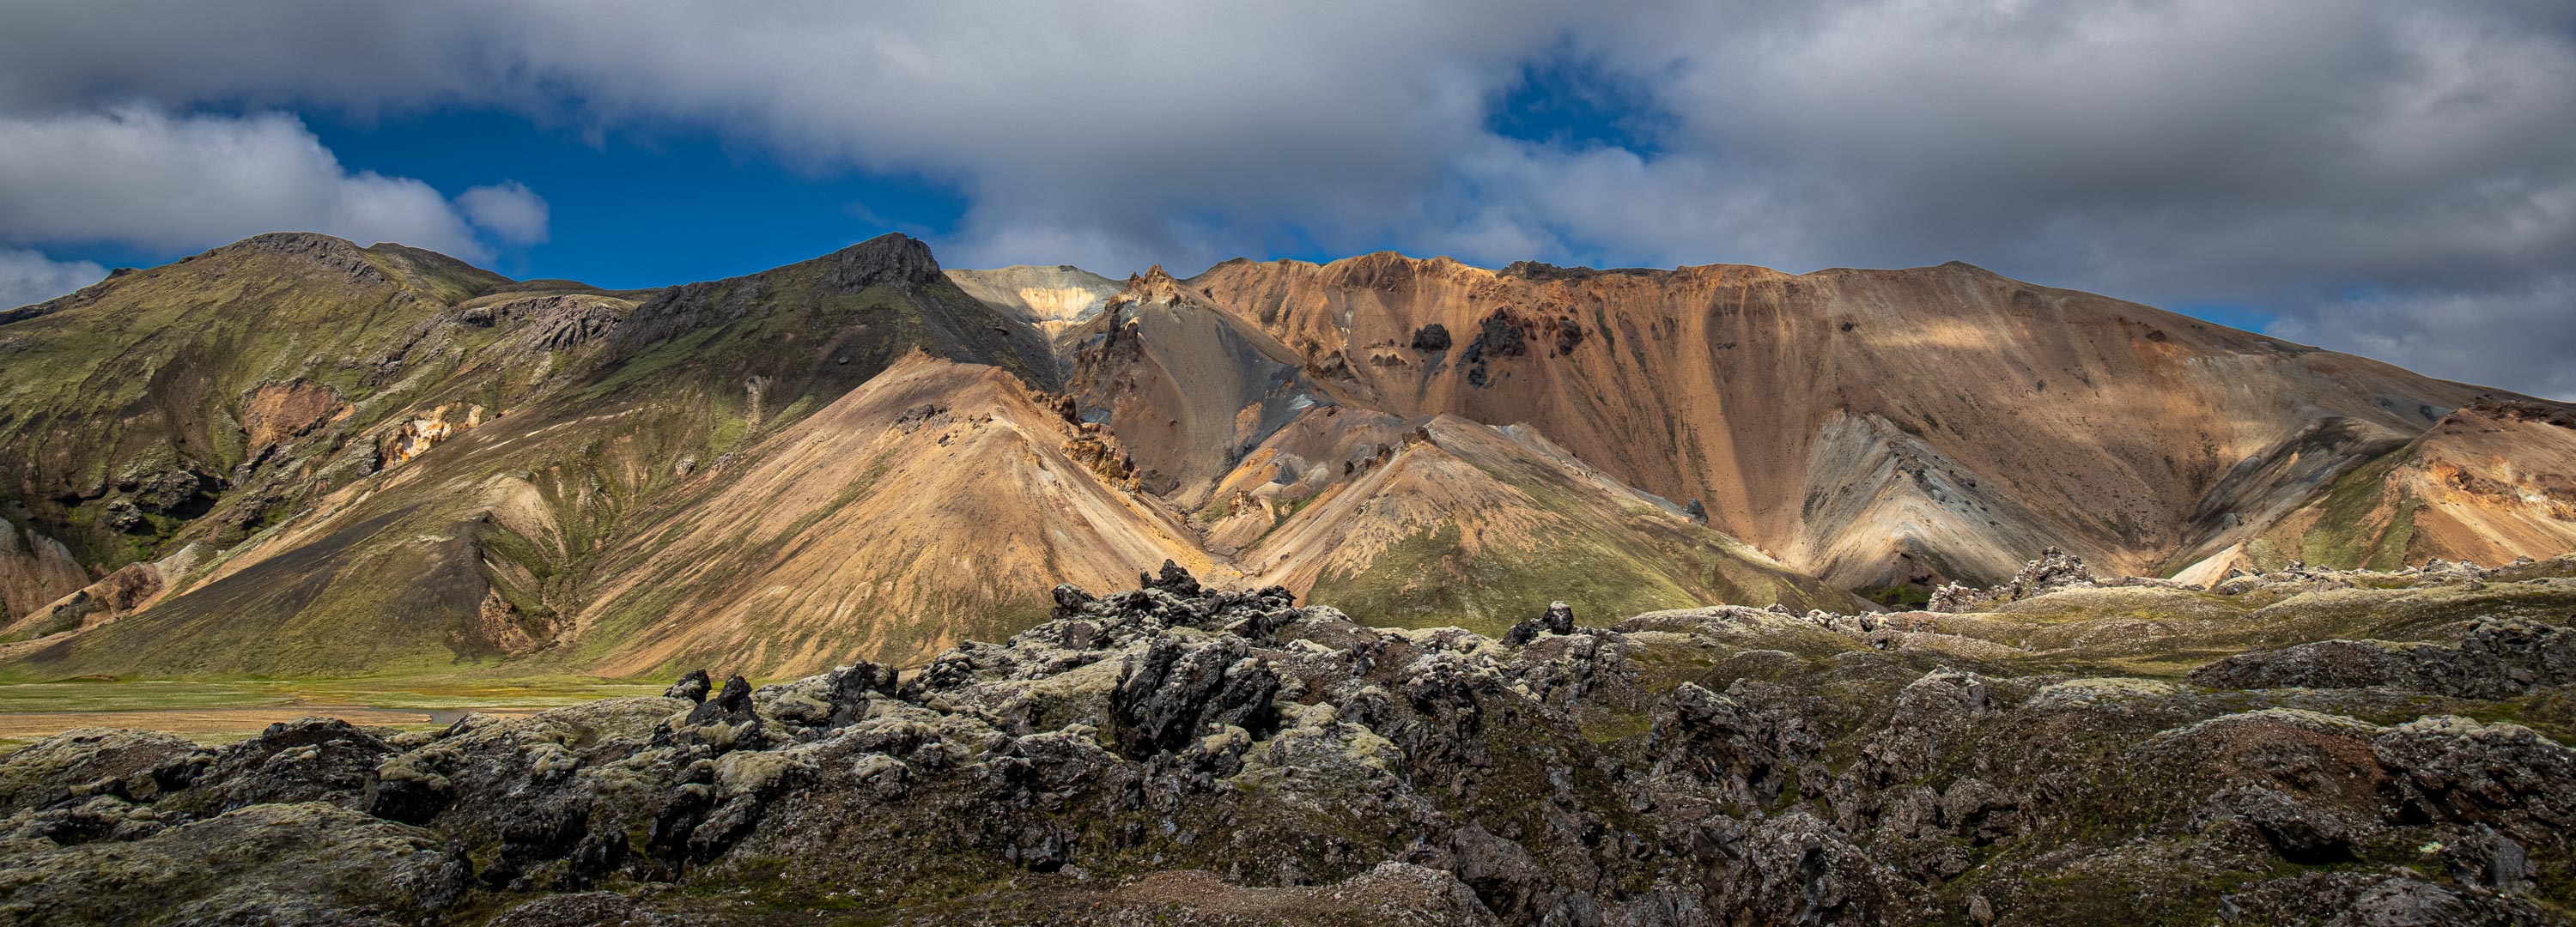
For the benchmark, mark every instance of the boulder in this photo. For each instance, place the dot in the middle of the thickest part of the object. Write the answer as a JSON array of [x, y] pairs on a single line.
[[693, 687], [1174, 693]]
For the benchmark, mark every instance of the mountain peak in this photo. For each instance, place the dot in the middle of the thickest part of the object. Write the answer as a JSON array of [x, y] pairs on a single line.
[[1154, 285], [893, 257], [327, 249], [337, 255]]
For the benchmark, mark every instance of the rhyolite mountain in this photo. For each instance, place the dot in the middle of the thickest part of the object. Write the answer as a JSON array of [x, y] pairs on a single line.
[[294, 455]]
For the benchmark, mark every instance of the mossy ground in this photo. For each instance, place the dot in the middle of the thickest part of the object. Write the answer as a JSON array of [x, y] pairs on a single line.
[[224, 710]]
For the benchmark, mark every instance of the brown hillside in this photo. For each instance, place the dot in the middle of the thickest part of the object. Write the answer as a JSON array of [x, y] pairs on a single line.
[[452, 520], [1867, 426], [936, 502], [296, 456], [2490, 482]]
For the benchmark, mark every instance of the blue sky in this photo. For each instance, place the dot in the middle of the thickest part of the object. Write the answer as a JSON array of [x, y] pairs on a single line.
[[2383, 177], [628, 209], [642, 206]]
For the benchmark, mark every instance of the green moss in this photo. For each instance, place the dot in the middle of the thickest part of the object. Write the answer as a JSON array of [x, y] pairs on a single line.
[[2350, 531], [1429, 579], [1902, 597]]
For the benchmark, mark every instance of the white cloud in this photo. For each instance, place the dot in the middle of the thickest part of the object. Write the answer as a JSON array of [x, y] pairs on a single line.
[[136, 176], [510, 211], [1141, 131], [28, 277], [2276, 154]]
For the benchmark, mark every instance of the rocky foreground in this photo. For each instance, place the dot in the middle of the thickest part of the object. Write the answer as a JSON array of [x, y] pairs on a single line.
[[2300, 746]]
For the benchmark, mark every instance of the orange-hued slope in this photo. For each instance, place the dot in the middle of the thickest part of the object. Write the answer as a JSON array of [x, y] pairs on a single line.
[[935, 502], [1866, 426], [379, 460]]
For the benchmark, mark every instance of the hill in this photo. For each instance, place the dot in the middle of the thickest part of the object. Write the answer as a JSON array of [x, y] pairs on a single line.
[[297, 456], [1870, 427], [447, 522]]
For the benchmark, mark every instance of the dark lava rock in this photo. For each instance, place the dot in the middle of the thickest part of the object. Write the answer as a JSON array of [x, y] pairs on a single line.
[[1431, 339], [90, 761], [305, 760], [1175, 693], [2497, 658], [693, 687], [1183, 754], [1173, 579], [587, 909], [2501, 775], [889, 258], [1558, 619]]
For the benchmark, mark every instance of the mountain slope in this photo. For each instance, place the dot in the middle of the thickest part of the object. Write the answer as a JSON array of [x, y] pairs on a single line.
[[1872, 427], [295, 456], [129, 406], [1052, 298], [1188, 388], [2490, 482], [1471, 525], [935, 502], [505, 473]]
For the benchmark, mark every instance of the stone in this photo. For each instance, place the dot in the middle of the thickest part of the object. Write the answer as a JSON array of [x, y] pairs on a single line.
[[1205, 748], [693, 687], [1431, 339], [1557, 619], [1173, 579], [1173, 693]]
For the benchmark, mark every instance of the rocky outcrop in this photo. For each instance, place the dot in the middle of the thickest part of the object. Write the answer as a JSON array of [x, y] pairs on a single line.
[[1181, 753], [263, 864], [129, 589], [308, 760], [556, 322], [2495, 659], [278, 411], [888, 258], [693, 687], [417, 435], [1172, 694], [1558, 619], [333, 255], [2054, 570], [34, 570]]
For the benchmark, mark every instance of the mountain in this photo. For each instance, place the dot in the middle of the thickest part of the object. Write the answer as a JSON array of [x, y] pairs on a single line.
[[1431, 519], [934, 502], [1871, 427], [297, 456], [1052, 298], [2489, 482], [469, 452]]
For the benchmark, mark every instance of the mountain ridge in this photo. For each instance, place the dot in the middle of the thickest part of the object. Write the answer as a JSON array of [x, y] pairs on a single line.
[[480, 474]]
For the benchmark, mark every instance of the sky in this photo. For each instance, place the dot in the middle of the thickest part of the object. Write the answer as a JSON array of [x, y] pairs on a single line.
[[2396, 179]]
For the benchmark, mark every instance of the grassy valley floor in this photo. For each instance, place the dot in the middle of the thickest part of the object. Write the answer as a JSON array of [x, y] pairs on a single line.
[[216, 712]]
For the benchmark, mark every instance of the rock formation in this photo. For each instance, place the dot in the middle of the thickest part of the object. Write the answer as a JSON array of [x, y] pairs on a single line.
[[1183, 753]]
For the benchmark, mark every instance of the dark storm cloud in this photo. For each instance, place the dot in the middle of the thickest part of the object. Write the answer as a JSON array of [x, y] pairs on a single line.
[[2396, 178]]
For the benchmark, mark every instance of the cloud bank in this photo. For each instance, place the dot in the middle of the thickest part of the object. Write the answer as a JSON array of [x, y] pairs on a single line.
[[136, 176], [2395, 178], [29, 277], [510, 211]]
